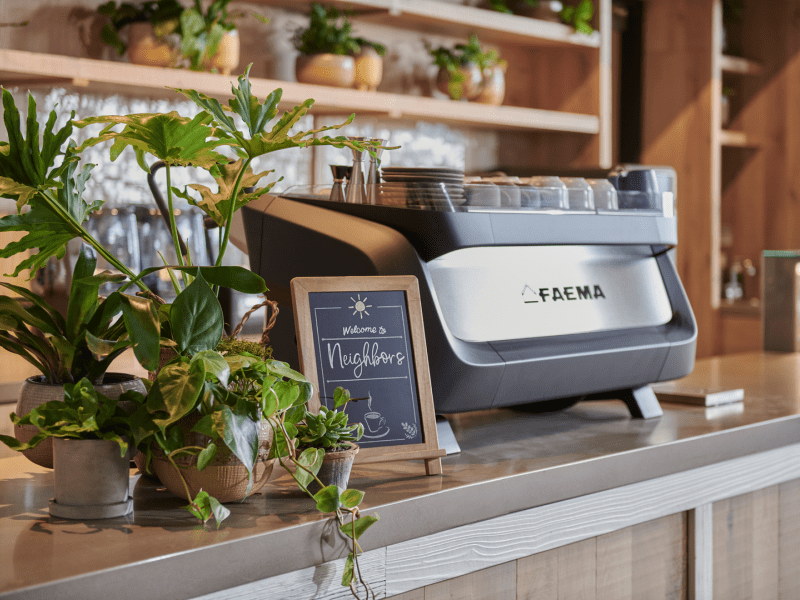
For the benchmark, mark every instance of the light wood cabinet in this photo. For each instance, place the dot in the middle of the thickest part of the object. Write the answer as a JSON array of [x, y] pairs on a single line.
[[737, 186], [558, 104]]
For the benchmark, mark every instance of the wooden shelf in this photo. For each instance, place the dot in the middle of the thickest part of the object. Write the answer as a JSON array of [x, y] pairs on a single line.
[[34, 69], [456, 20], [737, 139], [739, 65]]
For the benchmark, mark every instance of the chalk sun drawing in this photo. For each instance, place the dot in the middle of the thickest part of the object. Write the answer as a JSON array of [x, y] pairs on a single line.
[[359, 306]]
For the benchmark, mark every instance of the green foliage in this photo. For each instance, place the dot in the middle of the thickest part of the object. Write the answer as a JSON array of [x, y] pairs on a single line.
[[89, 339], [329, 430], [157, 13], [85, 414], [235, 346], [204, 507], [580, 16], [201, 32], [330, 32]]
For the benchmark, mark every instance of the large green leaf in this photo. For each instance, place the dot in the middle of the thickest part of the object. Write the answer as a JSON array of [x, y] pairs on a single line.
[[328, 499], [217, 204], [169, 137], [58, 322], [196, 318], [240, 434], [23, 161], [54, 219], [142, 324], [215, 365], [356, 529], [177, 387], [311, 459]]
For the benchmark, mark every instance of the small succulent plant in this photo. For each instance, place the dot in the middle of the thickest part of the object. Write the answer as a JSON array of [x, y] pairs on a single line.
[[330, 428]]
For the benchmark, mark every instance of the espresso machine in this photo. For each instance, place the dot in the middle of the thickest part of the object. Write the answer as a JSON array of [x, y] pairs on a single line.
[[537, 291]]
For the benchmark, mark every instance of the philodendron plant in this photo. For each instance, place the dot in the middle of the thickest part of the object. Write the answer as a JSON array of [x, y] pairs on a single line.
[[232, 392]]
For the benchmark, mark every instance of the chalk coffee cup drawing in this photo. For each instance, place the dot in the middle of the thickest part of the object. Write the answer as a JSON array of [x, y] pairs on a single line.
[[376, 425]]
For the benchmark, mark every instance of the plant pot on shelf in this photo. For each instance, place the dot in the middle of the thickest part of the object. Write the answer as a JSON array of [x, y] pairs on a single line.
[[468, 88], [35, 392], [335, 469], [91, 480], [226, 58], [493, 88], [225, 477], [146, 48], [369, 69], [325, 69]]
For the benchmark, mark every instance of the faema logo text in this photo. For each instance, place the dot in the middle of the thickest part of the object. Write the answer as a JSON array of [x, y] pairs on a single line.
[[554, 294]]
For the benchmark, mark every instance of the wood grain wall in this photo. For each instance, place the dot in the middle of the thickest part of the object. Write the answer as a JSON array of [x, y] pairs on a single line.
[[646, 561]]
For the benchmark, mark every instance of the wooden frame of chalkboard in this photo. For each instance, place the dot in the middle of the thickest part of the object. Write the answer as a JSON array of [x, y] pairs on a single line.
[[327, 303]]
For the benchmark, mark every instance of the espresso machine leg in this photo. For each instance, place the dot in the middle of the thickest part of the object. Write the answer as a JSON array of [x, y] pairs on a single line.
[[642, 403]]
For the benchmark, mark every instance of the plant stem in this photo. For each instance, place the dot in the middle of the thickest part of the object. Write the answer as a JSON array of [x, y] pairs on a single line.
[[87, 237], [231, 210], [173, 227]]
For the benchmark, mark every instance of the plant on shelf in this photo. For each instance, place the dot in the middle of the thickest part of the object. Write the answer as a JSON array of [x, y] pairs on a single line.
[[464, 70], [164, 33], [579, 15], [331, 55], [93, 434]]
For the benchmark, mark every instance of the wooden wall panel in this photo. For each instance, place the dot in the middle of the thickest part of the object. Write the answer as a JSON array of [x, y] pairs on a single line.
[[789, 540], [494, 583], [746, 546], [678, 88], [644, 562]]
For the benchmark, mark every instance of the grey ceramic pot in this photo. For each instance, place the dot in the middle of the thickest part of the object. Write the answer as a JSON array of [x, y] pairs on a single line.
[[36, 391], [335, 469], [91, 480]]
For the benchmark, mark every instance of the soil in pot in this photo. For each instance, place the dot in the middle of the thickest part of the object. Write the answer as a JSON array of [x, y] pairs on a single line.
[[225, 477], [335, 469], [36, 391], [325, 69]]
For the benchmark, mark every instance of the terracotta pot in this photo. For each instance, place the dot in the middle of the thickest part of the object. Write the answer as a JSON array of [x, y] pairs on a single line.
[[226, 59], [145, 48], [325, 69], [468, 89], [369, 69], [91, 480], [225, 477], [35, 392], [493, 88], [335, 469]]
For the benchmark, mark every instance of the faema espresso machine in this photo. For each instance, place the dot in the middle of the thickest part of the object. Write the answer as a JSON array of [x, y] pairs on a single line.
[[539, 291]]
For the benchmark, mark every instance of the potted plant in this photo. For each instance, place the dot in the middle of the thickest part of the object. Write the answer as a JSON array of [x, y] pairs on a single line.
[[578, 15], [198, 380], [85, 343], [91, 434], [459, 75], [327, 49], [163, 33], [333, 438], [493, 73]]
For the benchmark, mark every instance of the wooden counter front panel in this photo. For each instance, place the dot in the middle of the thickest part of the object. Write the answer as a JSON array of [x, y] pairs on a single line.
[[644, 561], [757, 544]]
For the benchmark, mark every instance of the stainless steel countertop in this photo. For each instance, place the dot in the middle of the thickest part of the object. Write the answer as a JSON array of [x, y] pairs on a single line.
[[510, 460]]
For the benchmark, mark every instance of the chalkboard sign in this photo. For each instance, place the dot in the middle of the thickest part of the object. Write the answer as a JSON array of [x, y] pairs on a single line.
[[365, 334]]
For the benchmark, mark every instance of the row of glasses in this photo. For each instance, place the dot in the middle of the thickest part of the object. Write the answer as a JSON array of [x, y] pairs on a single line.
[[140, 238]]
